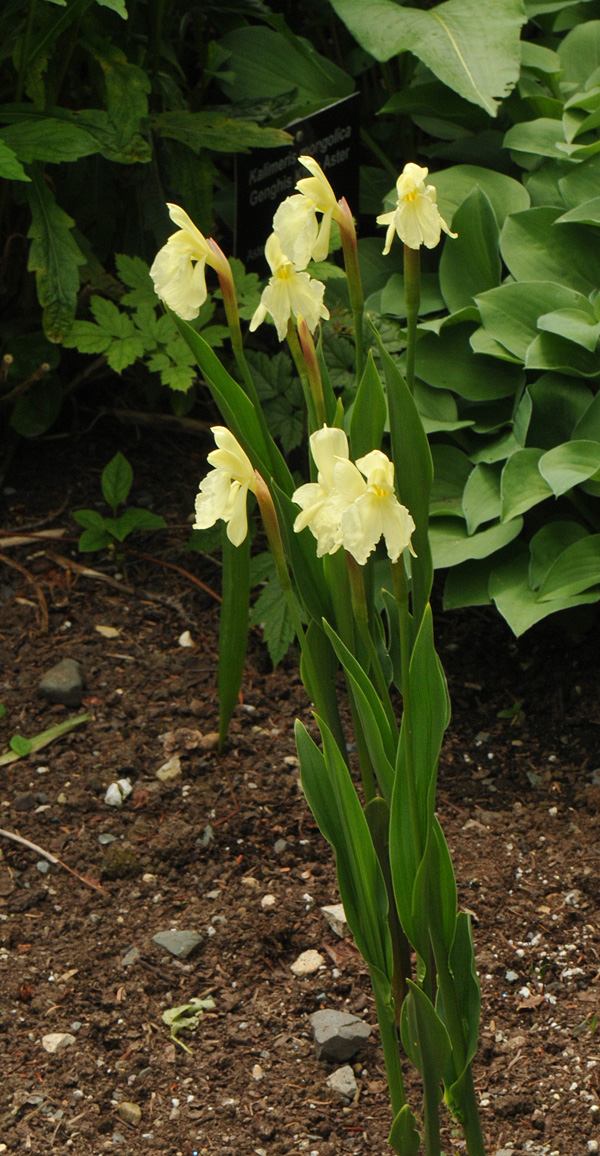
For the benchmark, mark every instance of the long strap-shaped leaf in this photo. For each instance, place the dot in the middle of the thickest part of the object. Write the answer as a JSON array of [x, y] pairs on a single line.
[[237, 410], [411, 453], [332, 798]]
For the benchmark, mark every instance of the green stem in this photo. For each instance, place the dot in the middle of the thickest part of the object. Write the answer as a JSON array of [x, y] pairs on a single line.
[[361, 616], [401, 594], [355, 289], [412, 297], [391, 1049], [296, 352]]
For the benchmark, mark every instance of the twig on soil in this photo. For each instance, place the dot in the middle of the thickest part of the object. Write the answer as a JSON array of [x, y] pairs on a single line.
[[43, 605], [28, 538], [179, 569], [12, 835]]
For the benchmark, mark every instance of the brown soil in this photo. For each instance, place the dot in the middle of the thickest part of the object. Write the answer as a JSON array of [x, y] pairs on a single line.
[[519, 800]]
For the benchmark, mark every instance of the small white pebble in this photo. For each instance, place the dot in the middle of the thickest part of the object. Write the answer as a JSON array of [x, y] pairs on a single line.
[[186, 639], [268, 901]]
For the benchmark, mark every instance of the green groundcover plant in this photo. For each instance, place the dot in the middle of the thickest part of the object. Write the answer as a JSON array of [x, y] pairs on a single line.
[[351, 552]]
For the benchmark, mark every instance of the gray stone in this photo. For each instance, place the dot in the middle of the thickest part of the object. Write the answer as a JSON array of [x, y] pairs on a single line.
[[130, 1113], [336, 918], [43, 866], [342, 1082], [130, 957], [56, 1041], [63, 683], [338, 1035], [181, 944]]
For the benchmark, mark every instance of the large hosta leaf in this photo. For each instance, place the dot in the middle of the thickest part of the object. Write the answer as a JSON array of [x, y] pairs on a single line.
[[510, 312], [536, 251], [451, 544], [470, 263], [517, 603], [478, 58], [504, 193]]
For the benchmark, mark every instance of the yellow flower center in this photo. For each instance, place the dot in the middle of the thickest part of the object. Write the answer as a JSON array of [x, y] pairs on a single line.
[[412, 196]]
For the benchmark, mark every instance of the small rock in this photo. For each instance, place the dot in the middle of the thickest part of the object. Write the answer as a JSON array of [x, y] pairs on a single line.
[[279, 846], [181, 944], [511, 977], [130, 957], [336, 918], [206, 838], [257, 1072], [43, 866], [249, 881], [343, 1083], [117, 792], [64, 683], [504, 1152], [268, 901], [338, 1035], [170, 770], [56, 1041], [209, 742], [105, 839], [307, 963], [186, 639], [107, 631], [592, 1145], [129, 1113]]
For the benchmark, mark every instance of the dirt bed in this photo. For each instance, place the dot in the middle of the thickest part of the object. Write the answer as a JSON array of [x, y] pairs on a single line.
[[519, 799]]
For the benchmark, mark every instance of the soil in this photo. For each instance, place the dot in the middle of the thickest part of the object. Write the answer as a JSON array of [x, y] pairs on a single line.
[[519, 799]]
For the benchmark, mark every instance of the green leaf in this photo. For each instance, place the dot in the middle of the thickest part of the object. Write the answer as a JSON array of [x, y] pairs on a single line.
[[123, 351], [451, 544], [271, 613], [332, 798], [117, 6], [575, 570], [569, 464], [263, 63], [215, 131], [393, 301], [379, 736], [456, 183], [538, 137], [127, 89], [510, 312], [470, 264], [546, 546], [425, 1040], [522, 486], [411, 448], [87, 338], [10, 167], [587, 214], [448, 362], [481, 499], [135, 273], [136, 519], [479, 59], [117, 479], [404, 1137], [451, 468], [535, 251], [437, 409], [517, 603], [548, 351], [94, 540], [91, 519], [579, 52], [233, 628], [369, 412], [467, 584], [560, 404], [580, 185], [54, 256], [578, 325], [20, 745], [51, 139]]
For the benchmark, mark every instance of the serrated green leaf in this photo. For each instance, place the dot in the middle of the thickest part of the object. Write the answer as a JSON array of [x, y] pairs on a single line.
[[87, 338], [110, 318], [54, 256], [271, 613], [124, 351], [11, 168], [50, 139], [215, 131], [136, 273]]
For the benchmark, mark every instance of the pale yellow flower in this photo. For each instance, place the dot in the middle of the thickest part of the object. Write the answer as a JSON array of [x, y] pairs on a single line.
[[416, 218], [295, 222], [224, 490], [289, 292], [372, 510], [178, 268], [322, 505]]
